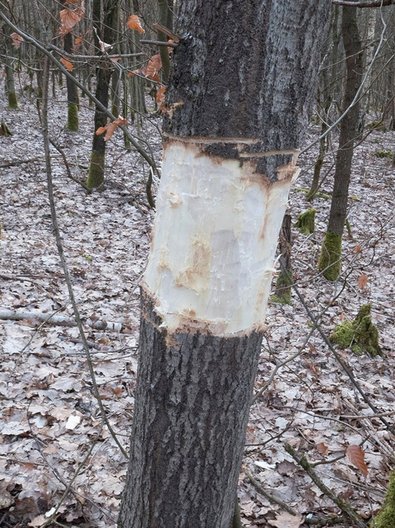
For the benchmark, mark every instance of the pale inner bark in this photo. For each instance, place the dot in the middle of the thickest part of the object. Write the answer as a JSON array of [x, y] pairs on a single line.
[[214, 241]]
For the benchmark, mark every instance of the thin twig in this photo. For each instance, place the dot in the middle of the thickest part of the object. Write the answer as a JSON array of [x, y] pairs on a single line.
[[340, 503], [378, 3], [160, 43], [269, 497], [66, 164], [28, 38], [341, 361], [63, 261]]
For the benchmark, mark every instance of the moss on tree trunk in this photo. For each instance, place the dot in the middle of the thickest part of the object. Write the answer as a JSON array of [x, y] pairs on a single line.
[[96, 170], [361, 334], [72, 117], [104, 18], [306, 222], [386, 516], [330, 258]]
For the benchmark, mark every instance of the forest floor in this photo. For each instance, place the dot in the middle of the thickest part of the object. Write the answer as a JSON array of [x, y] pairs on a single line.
[[54, 448]]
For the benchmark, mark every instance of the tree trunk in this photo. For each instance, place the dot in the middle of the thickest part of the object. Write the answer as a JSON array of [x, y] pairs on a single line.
[[284, 280], [7, 52], [330, 259], [327, 87], [72, 91], [104, 22], [243, 80]]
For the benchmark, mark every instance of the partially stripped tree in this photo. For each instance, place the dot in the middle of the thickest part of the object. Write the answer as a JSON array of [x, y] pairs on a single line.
[[244, 76]]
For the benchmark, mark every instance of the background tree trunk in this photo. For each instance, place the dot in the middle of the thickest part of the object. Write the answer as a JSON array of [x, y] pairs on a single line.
[[238, 99], [104, 21], [330, 259], [72, 91]]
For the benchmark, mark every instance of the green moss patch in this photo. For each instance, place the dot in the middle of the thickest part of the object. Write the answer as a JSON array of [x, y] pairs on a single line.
[[96, 171], [72, 117], [306, 222], [361, 335], [12, 100], [330, 259], [384, 154], [386, 517], [283, 288]]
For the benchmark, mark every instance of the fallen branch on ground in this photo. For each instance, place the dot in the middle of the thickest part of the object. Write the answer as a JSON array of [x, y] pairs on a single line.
[[61, 320], [344, 506]]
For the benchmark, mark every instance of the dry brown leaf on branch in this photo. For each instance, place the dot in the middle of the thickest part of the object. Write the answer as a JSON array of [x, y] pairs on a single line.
[[77, 42], [16, 40], [69, 18], [135, 24], [153, 68], [160, 97], [356, 455], [67, 64], [111, 127]]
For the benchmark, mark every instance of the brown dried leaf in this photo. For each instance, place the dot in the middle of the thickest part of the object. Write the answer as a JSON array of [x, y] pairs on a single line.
[[16, 40], [356, 455], [78, 42], [133, 73], [101, 130], [69, 18], [135, 24], [67, 64], [153, 68], [322, 448], [362, 281], [160, 97], [111, 127], [357, 249]]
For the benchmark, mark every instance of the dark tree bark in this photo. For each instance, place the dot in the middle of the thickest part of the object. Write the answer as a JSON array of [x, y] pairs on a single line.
[[104, 22], [8, 52], [243, 80], [327, 87], [284, 280], [72, 91], [330, 260]]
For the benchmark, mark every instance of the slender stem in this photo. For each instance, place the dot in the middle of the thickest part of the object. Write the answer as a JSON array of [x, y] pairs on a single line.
[[59, 245]]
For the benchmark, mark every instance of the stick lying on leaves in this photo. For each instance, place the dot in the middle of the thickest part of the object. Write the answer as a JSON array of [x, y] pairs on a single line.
[[340, 503], [14, 315]]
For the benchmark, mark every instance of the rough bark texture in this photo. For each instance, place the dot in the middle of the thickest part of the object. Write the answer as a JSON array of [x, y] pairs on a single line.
[[104, 22], [330, 260], [284, 280], [259, 88], [72, 90], [192, 403], [244, 74], [349, 125]]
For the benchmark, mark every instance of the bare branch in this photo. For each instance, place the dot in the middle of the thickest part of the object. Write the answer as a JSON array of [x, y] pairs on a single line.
[[341, 503], [38, 45], [377, 3]]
